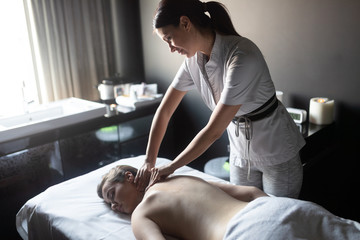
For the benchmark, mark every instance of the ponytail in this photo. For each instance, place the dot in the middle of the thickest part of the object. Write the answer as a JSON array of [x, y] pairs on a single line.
[[170, 11], [220, 18]]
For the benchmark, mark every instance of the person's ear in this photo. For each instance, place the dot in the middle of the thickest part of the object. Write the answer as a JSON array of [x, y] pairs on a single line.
[[129, 177], [185, 23]]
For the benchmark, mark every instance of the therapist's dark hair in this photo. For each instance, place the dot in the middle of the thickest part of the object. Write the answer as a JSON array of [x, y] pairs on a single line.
[[170, 11], [116, 174]]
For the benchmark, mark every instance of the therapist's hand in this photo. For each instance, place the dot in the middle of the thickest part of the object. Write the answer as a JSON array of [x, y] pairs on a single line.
[[159, 174], [143, 176]]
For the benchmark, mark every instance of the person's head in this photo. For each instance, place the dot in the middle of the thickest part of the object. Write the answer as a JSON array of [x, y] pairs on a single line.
[[175, 19], [117, 188]]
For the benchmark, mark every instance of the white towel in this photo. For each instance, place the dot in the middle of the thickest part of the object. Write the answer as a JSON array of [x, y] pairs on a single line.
[[285, 218]]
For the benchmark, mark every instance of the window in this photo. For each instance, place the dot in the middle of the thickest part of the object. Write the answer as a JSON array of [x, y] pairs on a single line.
[[17, 78], [73, 45]]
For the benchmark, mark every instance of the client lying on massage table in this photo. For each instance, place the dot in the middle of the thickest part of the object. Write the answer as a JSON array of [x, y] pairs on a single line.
[[190, 208]]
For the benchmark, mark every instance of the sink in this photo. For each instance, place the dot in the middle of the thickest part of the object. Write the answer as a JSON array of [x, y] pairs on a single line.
[[49, 117]]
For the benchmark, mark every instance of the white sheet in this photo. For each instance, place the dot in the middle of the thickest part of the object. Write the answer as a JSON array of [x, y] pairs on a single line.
[[286, 218], [72, 209]]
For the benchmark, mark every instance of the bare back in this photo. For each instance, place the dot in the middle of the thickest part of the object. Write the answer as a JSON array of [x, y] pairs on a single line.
[[187, 208]]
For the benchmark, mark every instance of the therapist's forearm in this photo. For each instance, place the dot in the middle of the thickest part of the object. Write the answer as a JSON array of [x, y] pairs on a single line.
[[219, 120], [160, 122], [157, 133]]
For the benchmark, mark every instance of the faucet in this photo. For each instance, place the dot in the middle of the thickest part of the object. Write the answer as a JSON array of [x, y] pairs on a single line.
[[26, 102]]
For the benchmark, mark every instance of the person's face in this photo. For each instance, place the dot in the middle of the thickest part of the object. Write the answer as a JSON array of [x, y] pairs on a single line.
[[122, 197], [178, 38]]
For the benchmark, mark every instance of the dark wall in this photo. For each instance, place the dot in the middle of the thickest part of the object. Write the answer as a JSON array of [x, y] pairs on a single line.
[[127, 39]]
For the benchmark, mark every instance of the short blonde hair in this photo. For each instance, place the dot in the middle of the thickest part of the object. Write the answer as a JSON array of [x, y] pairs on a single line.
[[116, 174]]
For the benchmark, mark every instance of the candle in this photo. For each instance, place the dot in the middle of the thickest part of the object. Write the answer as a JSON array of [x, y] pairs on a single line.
[[321, 111], [279, 95]]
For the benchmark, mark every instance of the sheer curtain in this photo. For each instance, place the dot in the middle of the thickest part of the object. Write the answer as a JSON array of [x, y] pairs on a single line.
[[74, 45]]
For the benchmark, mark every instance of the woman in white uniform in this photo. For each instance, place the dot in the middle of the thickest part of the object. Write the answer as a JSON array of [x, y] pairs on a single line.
[[231, 75]]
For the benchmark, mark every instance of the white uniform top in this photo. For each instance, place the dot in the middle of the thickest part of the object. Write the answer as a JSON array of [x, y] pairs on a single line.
[[238, 74]]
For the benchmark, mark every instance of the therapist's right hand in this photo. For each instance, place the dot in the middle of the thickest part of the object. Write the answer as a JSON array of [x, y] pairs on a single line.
[[143, 176]]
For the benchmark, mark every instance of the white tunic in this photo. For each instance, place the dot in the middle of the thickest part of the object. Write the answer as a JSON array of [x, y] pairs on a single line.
[[238, 74]]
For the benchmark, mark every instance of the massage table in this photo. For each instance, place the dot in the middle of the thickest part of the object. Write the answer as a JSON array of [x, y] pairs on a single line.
[[73, 210]]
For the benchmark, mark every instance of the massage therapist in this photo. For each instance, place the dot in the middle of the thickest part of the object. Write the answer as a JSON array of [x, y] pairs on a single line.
[[233, 79]]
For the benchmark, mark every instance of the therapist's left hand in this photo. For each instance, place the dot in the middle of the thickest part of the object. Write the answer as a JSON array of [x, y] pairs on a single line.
[[159, 174]]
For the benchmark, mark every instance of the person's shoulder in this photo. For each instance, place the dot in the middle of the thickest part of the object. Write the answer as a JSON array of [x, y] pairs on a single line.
[[235, 40], [142, 219], [150, 202], [146, 206], [231, 44], [240, 50], [151, 195]]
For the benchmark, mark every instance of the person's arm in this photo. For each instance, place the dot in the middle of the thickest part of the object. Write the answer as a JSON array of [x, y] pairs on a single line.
[[159, 125], [161, 120], [218, 122], [242, 193], [144, 228]]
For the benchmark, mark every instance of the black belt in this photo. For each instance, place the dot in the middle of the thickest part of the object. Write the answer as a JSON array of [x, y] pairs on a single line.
[[260, 112]]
